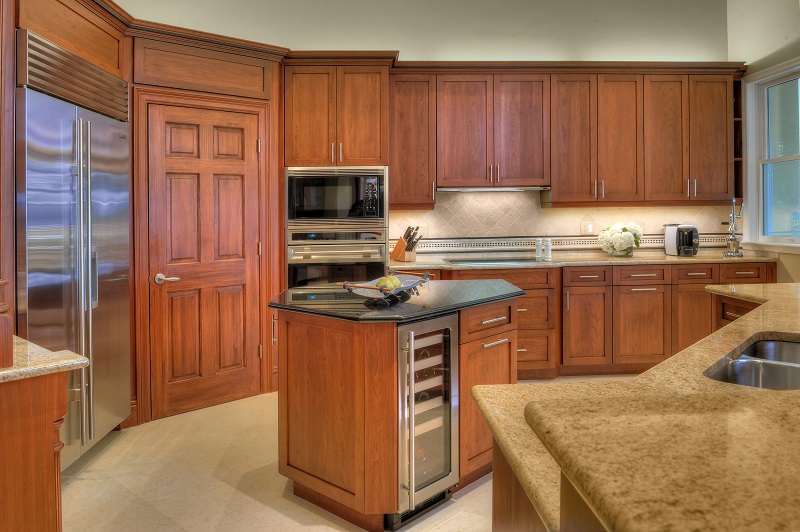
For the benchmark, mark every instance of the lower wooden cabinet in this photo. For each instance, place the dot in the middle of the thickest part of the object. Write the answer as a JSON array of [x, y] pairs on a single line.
[[691, 315], [728, 309], [490, 360], [587, 325], [642, 323]]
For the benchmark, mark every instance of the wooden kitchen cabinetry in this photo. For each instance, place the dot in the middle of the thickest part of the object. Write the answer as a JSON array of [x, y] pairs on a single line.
[[487, 355], [336, 115], [666, 137], [728, 309], [412, 141], [587, 325], [691, 304], [711, 137], [620, 137], [642, 316], [492, 130], [538, 317]]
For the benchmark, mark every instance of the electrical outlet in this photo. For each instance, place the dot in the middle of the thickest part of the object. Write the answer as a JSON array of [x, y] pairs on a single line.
[[587, 228]]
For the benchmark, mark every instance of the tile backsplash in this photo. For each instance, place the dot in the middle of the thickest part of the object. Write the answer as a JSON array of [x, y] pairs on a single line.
[[482, 214]]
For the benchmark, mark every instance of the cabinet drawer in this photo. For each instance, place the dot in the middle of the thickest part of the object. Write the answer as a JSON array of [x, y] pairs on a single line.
[[631, 275], [537, 349], [522, 277], [587, 276], [537, 309], [728, 309], [751, 272], [483, 320], [695, 274]]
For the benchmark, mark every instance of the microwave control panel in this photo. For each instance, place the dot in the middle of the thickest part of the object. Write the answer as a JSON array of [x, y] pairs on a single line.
[[371, 197]]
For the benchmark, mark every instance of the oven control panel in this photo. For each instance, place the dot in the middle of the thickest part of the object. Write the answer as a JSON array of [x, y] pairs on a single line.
[[371, 197]]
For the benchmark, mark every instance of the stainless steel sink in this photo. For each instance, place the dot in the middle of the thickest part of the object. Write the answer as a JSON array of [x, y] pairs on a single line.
[[779, 350], [770, 364]]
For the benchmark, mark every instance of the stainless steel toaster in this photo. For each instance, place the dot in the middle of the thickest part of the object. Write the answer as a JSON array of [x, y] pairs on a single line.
[[682, 240]]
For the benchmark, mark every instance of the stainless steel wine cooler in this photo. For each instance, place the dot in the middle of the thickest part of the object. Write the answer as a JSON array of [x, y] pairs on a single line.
[[428, 415]]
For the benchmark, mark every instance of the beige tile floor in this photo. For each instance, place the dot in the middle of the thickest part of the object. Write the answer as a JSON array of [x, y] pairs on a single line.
[[217, 469]]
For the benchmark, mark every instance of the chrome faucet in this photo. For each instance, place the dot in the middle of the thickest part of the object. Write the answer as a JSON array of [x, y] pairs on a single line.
[[733, 240]]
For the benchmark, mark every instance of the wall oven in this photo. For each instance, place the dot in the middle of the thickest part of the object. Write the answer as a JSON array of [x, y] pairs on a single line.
[[428, 416], [336, 225]]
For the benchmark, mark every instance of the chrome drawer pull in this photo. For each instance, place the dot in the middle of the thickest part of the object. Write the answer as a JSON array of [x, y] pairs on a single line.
[[492, 344], [522, 310], [589, 276], [697, 273], [493, 320], [643, 274], [522, 350], [733, 314], [745, 273], [643, 289]]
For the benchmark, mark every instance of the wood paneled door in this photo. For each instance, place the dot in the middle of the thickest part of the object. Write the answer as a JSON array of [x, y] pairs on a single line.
[[203, 237]]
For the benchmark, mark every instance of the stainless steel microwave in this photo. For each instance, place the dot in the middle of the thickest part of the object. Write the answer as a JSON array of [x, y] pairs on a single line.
[[337, 194]]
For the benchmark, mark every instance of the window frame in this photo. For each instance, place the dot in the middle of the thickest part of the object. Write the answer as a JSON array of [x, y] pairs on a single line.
[[755, 154]]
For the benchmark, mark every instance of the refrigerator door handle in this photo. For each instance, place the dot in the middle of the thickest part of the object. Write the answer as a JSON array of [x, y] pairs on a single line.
[[91, 292]]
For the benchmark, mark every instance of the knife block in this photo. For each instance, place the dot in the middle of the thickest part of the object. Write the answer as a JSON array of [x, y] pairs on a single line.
[[400, 254], [6, 343]]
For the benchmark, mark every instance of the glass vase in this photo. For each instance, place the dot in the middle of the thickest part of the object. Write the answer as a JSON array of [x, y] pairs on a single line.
[[627, 252]]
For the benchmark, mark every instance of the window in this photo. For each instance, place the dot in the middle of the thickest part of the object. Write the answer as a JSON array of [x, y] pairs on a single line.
[[773, 171]]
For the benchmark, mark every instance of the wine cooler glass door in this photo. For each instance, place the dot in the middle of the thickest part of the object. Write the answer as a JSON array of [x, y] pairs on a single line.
[[430, 420]]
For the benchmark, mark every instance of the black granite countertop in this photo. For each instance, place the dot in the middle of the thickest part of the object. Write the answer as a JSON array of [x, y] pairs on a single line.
[[434, 298]]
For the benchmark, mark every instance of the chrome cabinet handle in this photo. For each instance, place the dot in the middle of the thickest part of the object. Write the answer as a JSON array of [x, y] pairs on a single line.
[[687, 189], [643, 274], [274, 337], [745, 273], [412, 481], [697, 273], [340, 152], [160, 278], [491, 174], [567, 300], [595, 188], [498, 174], [333, 160], [695, 188], [493, 320], [522, 310], [603, 187], [433, 190], [492, 344], [733, 314], [588, 276], [522, 350], [643, 289]]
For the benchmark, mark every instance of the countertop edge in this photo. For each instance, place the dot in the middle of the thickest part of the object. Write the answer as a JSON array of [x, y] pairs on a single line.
[[31, 360]]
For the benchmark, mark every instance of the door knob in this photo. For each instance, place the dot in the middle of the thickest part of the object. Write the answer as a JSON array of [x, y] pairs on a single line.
[[160, 278]]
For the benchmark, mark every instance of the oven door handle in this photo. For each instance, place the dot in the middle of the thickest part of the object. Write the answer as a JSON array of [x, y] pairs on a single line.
[[332, 255]]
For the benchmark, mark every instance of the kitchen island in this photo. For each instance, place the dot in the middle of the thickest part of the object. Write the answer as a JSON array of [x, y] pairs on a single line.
[[33, 403], [345, 404], [671, 449]]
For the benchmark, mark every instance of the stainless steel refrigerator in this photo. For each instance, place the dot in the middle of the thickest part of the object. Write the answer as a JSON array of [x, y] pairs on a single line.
[[73, 247]]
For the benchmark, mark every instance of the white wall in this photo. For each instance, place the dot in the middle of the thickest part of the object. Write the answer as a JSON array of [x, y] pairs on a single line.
[[763, 32], [458, 30]]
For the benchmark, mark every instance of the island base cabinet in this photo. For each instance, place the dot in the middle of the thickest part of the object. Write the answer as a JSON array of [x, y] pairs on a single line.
[[337, 411], [692, 316], [31, 414], [642, 323], [489, 360], [512, 510]]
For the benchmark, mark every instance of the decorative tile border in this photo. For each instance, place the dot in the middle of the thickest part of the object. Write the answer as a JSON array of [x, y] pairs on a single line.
[[562, 243]]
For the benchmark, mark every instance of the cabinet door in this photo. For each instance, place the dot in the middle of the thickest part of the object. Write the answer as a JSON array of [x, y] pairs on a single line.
[[642, 323], [692, 315], [412, 146], [464, 132], [620, 137], [537, 350], [490, 360], [586, 325], [537, 309], [574, 137], [362, 117], [522, 130], [310, 115], [711, 137], [666, 138]]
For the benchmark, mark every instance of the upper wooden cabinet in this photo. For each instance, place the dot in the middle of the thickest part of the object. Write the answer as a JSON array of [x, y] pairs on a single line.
[[412, 141], [574, 137], [336, 115], [492, 130], [628, 138]]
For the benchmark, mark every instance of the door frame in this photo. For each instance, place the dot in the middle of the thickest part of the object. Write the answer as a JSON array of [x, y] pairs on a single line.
[[268, 187]]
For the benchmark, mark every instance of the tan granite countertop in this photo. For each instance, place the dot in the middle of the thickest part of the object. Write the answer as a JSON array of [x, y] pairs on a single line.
[[568, 258], [31, 360], [671, 449]]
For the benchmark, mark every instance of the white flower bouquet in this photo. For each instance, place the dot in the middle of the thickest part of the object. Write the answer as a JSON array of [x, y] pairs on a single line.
[[620, 239]]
